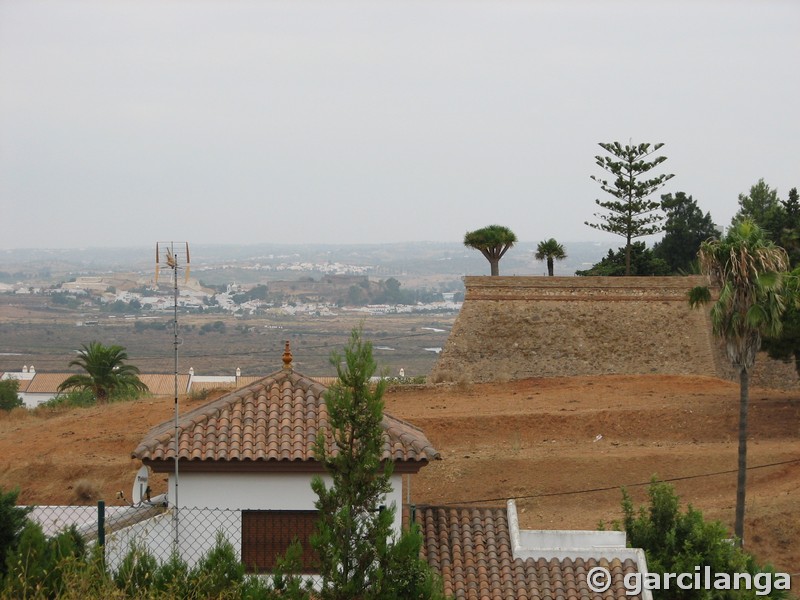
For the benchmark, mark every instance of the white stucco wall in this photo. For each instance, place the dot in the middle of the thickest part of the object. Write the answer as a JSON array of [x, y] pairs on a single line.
[[211, 503], [260, 491], [34, 400], [156, 535], [257, 491]]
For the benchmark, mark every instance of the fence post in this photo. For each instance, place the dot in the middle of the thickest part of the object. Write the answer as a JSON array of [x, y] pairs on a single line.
[[101, 526]]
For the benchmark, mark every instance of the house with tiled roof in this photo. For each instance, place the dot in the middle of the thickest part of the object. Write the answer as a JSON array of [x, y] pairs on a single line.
[[482, 554], [245, 463], [36, 388], [252, 452]]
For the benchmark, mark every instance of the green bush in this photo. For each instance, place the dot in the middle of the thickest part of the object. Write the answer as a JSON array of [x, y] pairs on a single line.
[[676, 542], [405, 576], [257, 588], [71, 399], [136, 574], [643, 262], [285, 579], [172, 578], [12, 521], [140, 326], [84, 398], [40, 566], [9, 398], [219, 574]]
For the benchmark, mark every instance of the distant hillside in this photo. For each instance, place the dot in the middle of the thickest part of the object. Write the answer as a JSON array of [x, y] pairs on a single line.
[[259, 262]]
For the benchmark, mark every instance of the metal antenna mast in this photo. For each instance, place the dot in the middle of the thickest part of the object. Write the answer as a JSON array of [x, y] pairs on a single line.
[[171, 258]]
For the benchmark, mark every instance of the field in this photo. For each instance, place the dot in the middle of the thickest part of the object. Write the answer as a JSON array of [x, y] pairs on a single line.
[[561, 446], [35, 332]]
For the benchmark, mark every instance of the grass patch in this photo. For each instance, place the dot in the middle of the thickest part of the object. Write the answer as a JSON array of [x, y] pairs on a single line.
[[15, 415]]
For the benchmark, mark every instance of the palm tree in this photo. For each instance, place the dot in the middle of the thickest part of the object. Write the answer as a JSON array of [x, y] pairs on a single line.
[[106, 372], [550, 250], [748, 269], [493, 242]]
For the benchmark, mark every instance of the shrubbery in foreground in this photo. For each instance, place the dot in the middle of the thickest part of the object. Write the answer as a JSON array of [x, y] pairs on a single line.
[[677, 542], [62, 567]]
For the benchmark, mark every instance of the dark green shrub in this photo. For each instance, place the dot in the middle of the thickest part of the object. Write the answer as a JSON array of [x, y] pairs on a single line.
[[136, 574], [173, 578], [285, 579], [676, 542], [257, 588], [9, 398], [71, 399], [12, 521], [39, 566], [404, 575], [84, 398], [220, 572]]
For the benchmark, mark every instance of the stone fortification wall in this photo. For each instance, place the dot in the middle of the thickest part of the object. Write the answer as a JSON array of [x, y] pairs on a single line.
[[518, 327]]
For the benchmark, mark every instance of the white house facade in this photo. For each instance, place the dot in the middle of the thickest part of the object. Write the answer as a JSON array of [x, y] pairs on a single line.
[[248, 459]]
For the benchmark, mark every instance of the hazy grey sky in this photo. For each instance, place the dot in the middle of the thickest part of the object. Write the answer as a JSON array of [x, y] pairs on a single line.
[[129, 121]]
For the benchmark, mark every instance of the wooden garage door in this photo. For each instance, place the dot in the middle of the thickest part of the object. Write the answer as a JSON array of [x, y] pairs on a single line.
[[266, 534]]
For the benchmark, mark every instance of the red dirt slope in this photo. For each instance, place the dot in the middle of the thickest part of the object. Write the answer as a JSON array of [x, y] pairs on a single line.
[[543, 441]]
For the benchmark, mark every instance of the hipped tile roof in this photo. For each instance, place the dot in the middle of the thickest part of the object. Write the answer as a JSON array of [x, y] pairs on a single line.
[[159, 384], [273, 421], [44, 383], [162, 384], [471, 549], [23, 383]]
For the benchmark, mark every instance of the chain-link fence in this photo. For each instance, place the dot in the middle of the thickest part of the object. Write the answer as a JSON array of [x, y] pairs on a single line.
[[258, 538]]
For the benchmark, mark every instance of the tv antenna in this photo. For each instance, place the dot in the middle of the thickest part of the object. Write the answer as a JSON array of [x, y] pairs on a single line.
[[175, 255]]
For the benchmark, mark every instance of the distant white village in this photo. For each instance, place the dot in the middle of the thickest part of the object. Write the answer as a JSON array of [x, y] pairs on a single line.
[[101, 299], [98, 290]]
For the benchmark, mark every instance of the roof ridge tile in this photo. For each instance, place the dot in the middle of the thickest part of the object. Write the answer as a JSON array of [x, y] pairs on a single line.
[[277, 418]]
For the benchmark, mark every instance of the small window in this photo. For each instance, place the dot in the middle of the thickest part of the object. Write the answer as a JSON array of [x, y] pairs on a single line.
[[266, 534]]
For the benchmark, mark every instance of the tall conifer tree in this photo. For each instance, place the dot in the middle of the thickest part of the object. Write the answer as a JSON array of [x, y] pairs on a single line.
[[631, 214], [358, 554]]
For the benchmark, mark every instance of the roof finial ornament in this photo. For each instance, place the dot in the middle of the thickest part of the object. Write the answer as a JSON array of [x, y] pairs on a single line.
[[287, 357]]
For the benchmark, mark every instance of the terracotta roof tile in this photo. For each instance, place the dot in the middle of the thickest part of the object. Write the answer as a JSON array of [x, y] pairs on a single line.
[[471, 549], [45, 383], [275, 419], [163, 384], [160, 384]]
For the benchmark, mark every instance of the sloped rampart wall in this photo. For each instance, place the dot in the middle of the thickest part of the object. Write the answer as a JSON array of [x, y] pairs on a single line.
[[519, 327]]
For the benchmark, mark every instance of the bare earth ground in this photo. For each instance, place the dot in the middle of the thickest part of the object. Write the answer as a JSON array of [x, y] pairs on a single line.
[[537, 440]]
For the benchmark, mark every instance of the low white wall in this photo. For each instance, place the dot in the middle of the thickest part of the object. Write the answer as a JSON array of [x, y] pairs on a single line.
[[555, 538], [34, 400], [155, 535], [563, 544]]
